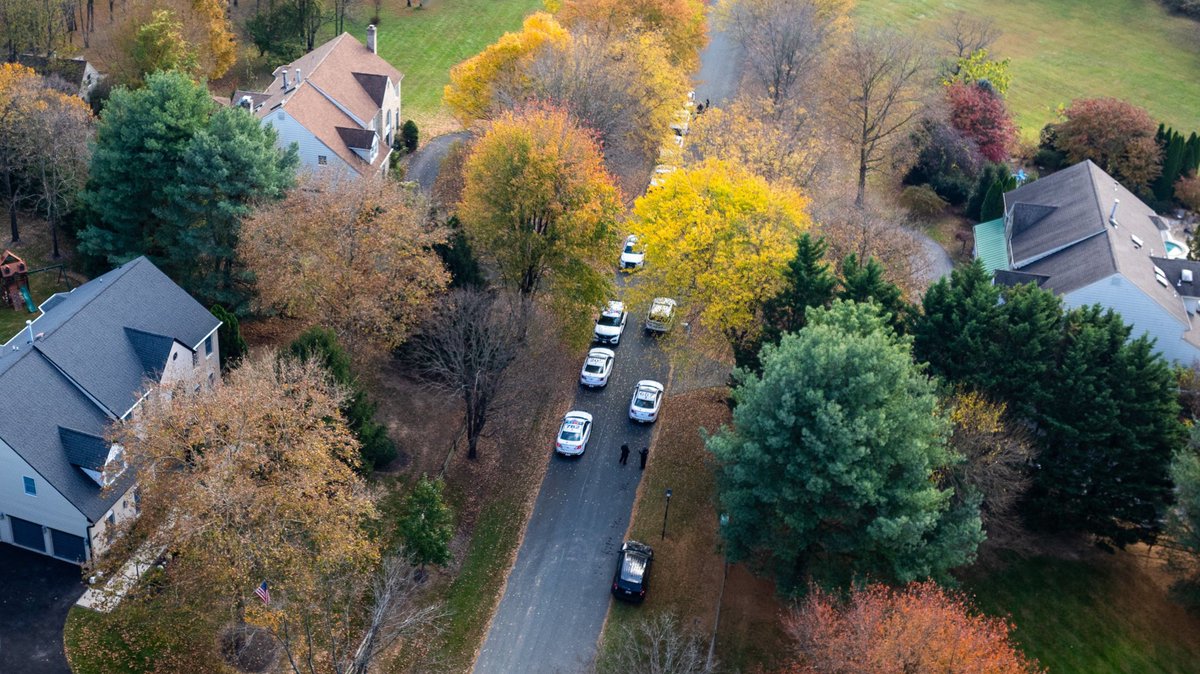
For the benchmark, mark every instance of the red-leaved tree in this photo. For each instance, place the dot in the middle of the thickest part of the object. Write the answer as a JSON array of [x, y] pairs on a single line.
[[920, 628], [981, 115], [1117, 135]]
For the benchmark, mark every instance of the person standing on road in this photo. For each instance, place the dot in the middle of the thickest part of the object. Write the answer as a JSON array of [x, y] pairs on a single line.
[[624, 453], [643, 454]]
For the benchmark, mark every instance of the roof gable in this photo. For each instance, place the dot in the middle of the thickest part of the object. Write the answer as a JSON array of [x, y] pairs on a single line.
[[84, 449]]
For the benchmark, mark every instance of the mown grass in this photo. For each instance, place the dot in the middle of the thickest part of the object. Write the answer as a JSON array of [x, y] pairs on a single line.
[[1099, 616], [425, 43], [1067, 49], [35, 249]]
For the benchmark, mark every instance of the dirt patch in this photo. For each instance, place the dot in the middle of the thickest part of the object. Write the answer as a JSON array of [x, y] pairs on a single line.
[[249, 649], [751, 634], [423, 423]]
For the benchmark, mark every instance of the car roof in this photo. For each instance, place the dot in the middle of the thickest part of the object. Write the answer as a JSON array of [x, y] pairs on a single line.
[[576, 414]]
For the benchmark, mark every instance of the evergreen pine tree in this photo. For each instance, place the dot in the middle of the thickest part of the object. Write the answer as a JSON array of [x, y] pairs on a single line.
[[954, 332], [426, 524], [229, 337], [409, 136], [809, 281], [1191, 162], [1173, 157], [377, 449], [990, 175], [865, 283]]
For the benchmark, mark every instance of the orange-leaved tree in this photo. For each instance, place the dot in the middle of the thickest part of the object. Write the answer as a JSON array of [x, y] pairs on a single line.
[[353, 254], [918, 628], [472, 91], [539, 203]]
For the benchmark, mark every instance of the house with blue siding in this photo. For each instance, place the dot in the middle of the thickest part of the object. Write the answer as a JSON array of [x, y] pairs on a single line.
[[338, 104], [86, 363], [1082, 235]]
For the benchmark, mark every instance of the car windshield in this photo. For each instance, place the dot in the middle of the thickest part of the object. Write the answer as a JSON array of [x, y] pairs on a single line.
[[629, 248], [633, 567], [594, 366], [610, 320]]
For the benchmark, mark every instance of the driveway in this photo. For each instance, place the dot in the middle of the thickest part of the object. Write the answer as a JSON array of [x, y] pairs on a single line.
[[35, 594], [938, 262], [427, 160], [557, 596]]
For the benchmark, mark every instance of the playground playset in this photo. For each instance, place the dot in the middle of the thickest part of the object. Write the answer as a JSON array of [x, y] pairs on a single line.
[[14, 282]]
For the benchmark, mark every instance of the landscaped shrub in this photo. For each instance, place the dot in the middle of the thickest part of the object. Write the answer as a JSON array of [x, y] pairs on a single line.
[[1187, 191], [922, 201], [229, 337], [1185, 7], [947, 161], [409, 136], [991, 173], [377, 449]]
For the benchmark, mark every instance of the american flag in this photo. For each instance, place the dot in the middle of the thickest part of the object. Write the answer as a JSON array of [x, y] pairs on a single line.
[[263, 593]]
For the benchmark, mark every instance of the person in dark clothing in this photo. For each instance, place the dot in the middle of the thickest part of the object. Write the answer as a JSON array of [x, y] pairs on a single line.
[[645, 452], [624, 454]]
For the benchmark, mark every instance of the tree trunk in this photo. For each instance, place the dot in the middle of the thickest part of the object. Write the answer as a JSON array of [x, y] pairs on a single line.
[[860, 200], [12, 206]]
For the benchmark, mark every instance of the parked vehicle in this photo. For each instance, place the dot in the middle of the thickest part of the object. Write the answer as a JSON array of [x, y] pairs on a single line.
[[611, 324], [573, 434], [633, 566], [597, 368], [633, 255], [661, 316], [647, 400]]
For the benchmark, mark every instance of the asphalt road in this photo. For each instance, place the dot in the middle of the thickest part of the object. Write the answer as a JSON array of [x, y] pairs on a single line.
[[720, 68], [427, 160], [553, 608]]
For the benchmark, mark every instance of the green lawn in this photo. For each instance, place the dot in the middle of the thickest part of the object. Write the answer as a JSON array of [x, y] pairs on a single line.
[[1099, 617], [424, 44], [1066, 49]]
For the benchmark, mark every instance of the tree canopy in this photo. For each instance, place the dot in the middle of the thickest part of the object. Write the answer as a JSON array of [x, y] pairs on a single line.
[[720, 239], [830, 463], [539, 203], [1118, 136]]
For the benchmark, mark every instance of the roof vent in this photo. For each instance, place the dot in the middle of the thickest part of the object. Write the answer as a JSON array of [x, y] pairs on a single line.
[[1112, 215], [1137, 240], [286, 84], [1185, 275], [1162, 281]]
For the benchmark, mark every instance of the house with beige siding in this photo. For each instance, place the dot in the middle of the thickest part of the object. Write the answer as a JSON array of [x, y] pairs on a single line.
[[84, 364], [339, 105], [1084, 236]]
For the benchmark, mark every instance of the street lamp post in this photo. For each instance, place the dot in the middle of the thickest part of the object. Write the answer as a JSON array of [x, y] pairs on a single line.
[[665, 511]]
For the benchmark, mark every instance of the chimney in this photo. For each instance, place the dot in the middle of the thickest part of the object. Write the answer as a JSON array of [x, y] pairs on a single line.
[[286, 86], [371, 44], [1112, 215]]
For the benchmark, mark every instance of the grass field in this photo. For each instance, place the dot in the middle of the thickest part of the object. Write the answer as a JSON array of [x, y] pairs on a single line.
[[1101, 616], [424, 44], [1066, 49]]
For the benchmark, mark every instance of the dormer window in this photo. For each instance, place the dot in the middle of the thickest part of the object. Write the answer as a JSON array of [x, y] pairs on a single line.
[[114, 465]]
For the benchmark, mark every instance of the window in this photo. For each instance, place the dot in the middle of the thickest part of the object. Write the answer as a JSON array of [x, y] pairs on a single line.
[[208, 346], [30, 486], [322, 159]]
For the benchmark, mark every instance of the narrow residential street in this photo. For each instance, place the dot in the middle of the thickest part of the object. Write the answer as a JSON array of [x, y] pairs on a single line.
[[557, 596], [558, 591]]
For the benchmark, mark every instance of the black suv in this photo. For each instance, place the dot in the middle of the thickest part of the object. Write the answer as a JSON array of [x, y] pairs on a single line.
[[633, 563]]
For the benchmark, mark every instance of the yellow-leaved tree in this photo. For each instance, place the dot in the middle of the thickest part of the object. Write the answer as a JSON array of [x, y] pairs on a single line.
[[474, 82], [680, 22], [717, 239], [539, 203]]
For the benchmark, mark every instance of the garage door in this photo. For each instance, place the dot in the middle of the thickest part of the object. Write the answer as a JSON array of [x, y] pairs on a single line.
[[27, 533], [67, 546]]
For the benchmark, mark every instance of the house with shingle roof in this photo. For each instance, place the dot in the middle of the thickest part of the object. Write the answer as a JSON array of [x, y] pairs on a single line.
[[87, 362], [1082, 235], [339, 104]]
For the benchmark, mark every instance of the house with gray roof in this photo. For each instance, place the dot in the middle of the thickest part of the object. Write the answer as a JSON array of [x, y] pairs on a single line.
[[1082, 235], [84, 364]]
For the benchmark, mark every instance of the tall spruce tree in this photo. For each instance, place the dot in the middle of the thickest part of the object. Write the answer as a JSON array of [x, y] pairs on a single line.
[[1024, 347], [990, 174], [864, 282], [1173, 157], [1191, 162], [829, 467], [1107, 428], [809, 281], [955, 332]]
